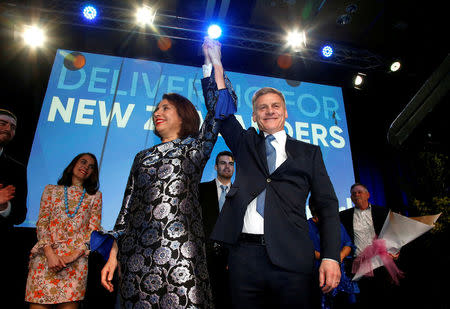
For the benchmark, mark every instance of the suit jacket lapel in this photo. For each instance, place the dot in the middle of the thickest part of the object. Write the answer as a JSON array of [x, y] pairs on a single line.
[[378, 221], [350, 225], [215, 196], [291, 153]]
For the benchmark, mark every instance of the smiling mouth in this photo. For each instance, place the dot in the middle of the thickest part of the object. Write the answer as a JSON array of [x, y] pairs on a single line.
[[159, 121]]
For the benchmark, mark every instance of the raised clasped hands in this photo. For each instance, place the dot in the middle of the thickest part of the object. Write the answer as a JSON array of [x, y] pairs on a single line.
[[212, 51]]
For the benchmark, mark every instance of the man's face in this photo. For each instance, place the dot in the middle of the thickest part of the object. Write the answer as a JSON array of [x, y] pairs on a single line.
[[360, 197], [7, 129], [225, 167], [270, 113]]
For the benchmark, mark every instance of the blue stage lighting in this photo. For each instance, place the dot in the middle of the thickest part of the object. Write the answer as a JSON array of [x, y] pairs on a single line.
[[89, 12], [214, 32], [327, 51]]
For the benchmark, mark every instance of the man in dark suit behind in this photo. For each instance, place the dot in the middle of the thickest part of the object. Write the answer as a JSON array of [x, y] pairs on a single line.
[[13, 181], [363, 223], [271, 257], [13, 209], [211, 198]]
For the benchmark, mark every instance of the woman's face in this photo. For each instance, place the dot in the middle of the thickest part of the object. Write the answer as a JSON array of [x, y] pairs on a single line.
[[83, 169], [167, 121]]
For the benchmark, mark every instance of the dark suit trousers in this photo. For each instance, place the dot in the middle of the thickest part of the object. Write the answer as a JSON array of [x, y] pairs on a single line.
[[217, 258], [257, 283]]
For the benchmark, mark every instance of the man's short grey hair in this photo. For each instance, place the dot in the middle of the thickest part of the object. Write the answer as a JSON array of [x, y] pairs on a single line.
[[359, 184], [266, 90]]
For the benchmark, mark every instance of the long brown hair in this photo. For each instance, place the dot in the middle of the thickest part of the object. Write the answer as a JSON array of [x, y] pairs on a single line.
[[190, 121], [91, 184]]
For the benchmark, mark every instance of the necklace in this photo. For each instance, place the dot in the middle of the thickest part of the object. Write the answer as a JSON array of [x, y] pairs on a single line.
[[66, 203]]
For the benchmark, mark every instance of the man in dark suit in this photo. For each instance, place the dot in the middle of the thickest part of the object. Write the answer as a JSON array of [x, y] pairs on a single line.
[[13, 181], [13, 209], [363, 223], [263, 219], [211, 198]]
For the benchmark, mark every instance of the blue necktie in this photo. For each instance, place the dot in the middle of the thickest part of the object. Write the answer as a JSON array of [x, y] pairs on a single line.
[[222, 196], [271, 156]]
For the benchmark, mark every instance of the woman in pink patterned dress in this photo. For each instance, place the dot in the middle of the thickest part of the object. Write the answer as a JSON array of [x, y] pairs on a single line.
[[69, 213]]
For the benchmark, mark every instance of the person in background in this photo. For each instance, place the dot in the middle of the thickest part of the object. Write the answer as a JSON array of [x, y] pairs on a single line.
[[363, 223], [13, 180], [346, 290], [69, 212], [13, 210], [211, 197]]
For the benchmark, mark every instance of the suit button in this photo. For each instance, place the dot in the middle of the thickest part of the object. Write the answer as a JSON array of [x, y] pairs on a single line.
[[268, 180]]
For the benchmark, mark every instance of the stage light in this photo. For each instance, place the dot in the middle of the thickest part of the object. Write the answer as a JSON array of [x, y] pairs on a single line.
[[145, 15], [33, 36], [395, 66], [89, 12], [327, 51], [359, 80], [214, 31], [296, 39]]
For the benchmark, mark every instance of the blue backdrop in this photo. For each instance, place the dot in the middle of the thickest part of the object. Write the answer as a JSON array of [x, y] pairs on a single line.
[[78, 115]]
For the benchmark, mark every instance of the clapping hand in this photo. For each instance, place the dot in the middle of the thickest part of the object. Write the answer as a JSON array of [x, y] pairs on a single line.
[[6, 193]]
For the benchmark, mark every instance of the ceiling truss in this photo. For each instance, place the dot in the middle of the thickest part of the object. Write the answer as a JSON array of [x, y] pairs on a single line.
[[180, 28]]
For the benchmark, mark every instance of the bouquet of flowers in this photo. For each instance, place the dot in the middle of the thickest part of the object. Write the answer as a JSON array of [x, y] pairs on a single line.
[[397, 231]]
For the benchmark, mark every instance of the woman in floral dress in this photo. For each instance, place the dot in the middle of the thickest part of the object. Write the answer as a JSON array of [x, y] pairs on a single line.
[[69, 213], [159, 229]]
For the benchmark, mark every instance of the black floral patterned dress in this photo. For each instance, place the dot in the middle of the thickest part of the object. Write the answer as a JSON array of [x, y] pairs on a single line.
[[159, 228]]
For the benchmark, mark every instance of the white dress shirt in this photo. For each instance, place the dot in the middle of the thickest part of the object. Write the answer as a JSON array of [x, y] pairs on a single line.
[[253, 221], [363, 228]]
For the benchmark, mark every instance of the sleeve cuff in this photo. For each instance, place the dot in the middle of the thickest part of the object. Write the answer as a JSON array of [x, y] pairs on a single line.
[[225, 105], [102, 243], [327, 259], [207, 70], [5, 212]]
